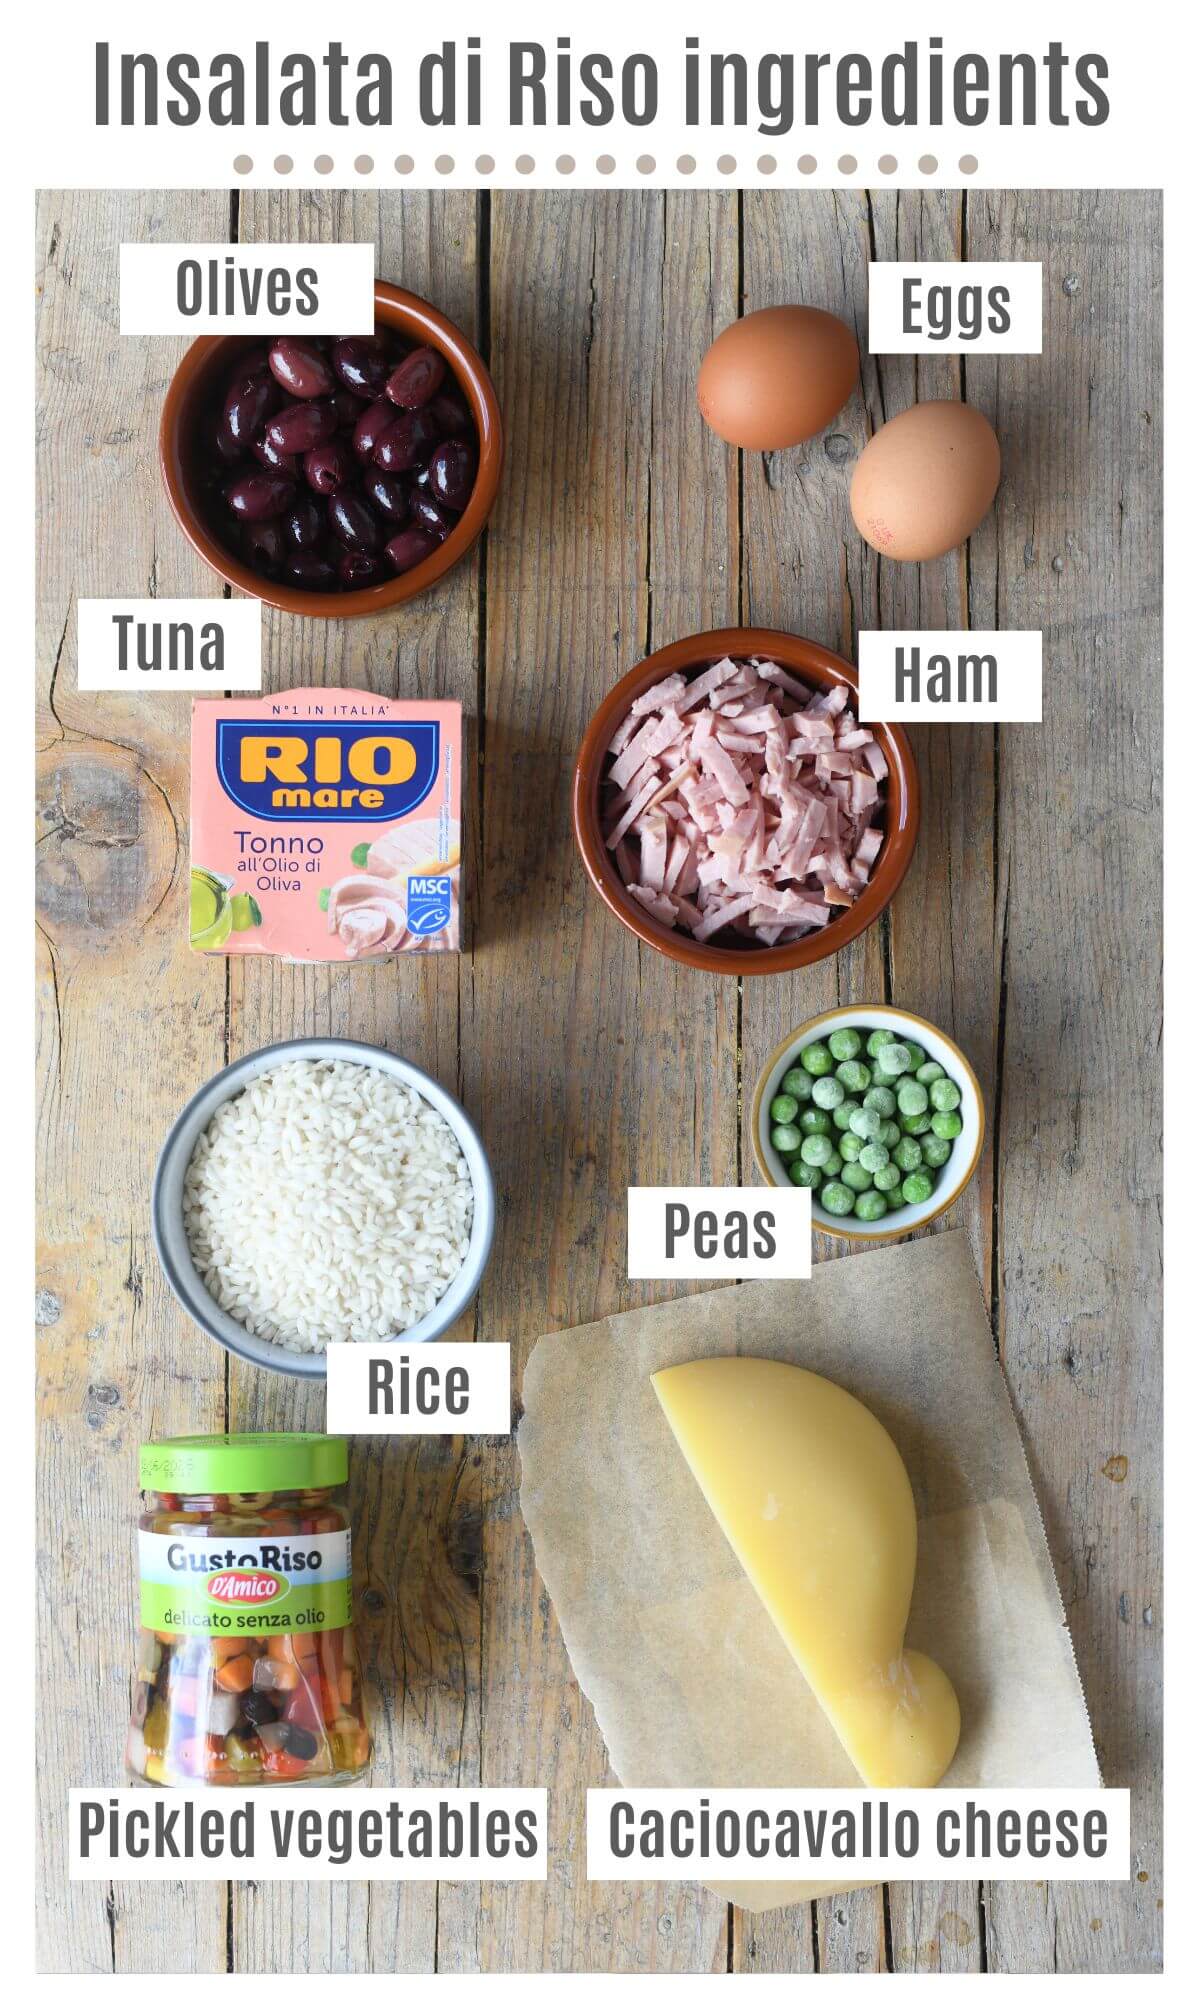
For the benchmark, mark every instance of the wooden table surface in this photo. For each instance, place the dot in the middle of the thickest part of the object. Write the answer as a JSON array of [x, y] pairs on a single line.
[[1028, 927]]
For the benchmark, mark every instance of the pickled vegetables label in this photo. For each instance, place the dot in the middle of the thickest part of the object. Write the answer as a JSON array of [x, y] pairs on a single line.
[[247, 1584]]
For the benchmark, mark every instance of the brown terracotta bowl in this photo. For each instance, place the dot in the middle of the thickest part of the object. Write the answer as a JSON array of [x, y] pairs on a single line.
[[195, 389], [821, 669]]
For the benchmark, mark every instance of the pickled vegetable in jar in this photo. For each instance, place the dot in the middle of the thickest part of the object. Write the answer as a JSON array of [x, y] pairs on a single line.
[[247, 1671]]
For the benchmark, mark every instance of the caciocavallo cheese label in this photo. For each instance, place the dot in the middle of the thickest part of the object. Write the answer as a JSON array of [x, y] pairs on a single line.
[[246, 1585]]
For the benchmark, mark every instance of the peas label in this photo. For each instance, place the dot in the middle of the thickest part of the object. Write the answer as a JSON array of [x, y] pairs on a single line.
[[719, 1232]]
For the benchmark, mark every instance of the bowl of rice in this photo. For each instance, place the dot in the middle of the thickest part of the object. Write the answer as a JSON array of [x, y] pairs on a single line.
[[317, 1191]]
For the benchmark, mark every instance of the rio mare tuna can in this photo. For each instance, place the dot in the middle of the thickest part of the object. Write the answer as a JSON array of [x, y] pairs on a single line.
[[326, 826]]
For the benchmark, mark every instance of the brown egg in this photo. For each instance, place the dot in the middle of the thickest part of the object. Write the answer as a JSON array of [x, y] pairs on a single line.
[[777, 376], [925, 481]]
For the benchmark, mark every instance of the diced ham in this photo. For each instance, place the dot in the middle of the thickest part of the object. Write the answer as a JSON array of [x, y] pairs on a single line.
[[655, 734], [631, 812], [652, 829], [724, 913], [741, 801]]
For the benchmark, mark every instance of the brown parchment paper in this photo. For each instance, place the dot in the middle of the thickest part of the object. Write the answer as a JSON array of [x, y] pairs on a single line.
[[690, 1682]]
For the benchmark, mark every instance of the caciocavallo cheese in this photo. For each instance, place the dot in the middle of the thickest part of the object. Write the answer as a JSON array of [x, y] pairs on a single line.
[[814, 1500]]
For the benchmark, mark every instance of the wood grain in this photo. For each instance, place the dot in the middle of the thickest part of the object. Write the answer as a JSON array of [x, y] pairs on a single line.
[[1028, 925], [128, 1026]]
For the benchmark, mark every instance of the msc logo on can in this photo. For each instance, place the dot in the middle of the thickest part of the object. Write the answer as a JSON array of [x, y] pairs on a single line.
[[429, 904], [327, 770]]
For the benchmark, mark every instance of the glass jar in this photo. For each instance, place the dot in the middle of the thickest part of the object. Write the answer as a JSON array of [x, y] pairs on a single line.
[[246, 1672]]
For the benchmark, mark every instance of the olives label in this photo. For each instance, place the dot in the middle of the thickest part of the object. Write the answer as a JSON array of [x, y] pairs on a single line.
[[247, 287], [244, 1585]]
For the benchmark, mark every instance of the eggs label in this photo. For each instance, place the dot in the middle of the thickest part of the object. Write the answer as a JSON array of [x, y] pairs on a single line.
[[720, 1232], [953, 308], [251, 287], [950, 676]]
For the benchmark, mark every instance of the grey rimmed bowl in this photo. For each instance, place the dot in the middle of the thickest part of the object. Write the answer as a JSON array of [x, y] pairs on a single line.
[[170, 1237]]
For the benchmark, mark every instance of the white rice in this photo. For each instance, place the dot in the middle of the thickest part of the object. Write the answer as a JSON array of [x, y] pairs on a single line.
[[327, 1202]]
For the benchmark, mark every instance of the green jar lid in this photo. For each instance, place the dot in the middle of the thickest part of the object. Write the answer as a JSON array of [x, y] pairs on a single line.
[[243, 1462]]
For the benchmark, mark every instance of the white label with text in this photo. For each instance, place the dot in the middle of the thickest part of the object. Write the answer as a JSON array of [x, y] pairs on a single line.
[[940, 1835], [451, 1388], [950, 676], [953, 308], [720, 1232], [201, 645], [247, 288], [420, 1834]]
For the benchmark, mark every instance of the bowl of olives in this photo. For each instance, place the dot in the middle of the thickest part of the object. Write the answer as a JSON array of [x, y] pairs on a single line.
[[334, 476]]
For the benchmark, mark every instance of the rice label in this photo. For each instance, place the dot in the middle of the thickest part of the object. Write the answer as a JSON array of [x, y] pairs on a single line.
[[248, 1584]]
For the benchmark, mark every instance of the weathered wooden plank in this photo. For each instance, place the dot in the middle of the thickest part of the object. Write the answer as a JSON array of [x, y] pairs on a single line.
[[1079, 1225], [806, 570], [603, 1065], [128, 1026], [415, 1501]]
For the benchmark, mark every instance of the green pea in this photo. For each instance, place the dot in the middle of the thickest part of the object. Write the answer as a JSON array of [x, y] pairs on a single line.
[[866, 1123], [784, 1109], [907, 1154], [814, 1120], [894, 1059], [843, 1113], [889, 1133], [880, 1098], [947, 1124], [798, 1084], [895, 1198], [828, 1092], [856, 1176], [854, 1075], [945, 1095], [850, 1145], [873, 1156], [879, 1039], [880, 1078], [935, 1151], [918, 1186], [816, 1059], [817, 1149], [916, 1055], [887, 1178], [803, 1175], [844, 1043], [871, 1206], [837, 1198], [786, 1138], [912, 1098], [929, 1072], [918, 1121]]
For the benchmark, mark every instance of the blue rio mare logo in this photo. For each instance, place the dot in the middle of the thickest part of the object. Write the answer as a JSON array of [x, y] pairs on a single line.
[[327, 770], [429, 904]]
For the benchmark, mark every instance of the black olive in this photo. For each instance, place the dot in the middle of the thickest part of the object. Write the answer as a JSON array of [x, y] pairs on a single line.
[[301, 1742], [257, 1707]]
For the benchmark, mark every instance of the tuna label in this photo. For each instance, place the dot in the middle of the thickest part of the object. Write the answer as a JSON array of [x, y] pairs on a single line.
[[248, 1584]]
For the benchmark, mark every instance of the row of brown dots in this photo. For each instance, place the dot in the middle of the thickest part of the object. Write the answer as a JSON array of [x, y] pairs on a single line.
[[606, 164]]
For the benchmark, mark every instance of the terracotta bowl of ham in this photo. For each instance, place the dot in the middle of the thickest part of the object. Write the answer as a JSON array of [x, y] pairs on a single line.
[[732, 811]]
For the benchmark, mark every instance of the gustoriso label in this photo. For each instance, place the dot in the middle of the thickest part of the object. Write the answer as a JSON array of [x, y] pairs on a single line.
[[245, 1584]]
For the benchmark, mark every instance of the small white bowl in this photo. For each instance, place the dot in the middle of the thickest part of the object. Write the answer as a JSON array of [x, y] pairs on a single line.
[[964, 1156], [170, 1236]]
